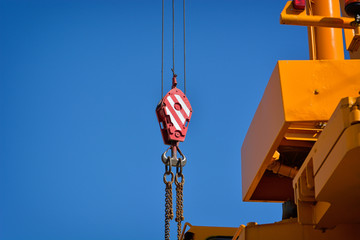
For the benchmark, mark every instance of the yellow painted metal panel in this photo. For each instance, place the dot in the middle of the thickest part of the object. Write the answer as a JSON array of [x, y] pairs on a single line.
[[338, 180], [312, 89], [284, 230], [260, 142], [299, 93], [295, 231], [336, 125], [330, 173]]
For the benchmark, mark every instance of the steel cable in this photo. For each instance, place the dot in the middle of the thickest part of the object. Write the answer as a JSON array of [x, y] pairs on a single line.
[[173, 35], [184, 49], [173, 45], [162, 51]]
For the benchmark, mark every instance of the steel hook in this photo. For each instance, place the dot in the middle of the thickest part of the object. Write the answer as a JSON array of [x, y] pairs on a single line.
[[174, 160]]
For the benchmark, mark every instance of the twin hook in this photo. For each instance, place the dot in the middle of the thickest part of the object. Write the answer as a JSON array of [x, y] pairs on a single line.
[[173, 160]]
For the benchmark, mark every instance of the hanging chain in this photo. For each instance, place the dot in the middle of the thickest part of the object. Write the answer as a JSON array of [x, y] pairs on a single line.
[[179, 182], [168, 200], [179, 199]]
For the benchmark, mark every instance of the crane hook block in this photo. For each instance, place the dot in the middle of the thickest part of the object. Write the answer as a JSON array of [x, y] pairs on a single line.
[[173, 113]]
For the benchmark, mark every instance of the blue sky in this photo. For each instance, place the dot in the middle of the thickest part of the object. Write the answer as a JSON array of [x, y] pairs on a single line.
[[80, 144]]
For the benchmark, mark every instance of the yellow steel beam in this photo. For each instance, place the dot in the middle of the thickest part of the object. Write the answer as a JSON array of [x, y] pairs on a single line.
[[329, 41], [290, 229], [284, 230], [291, 16]]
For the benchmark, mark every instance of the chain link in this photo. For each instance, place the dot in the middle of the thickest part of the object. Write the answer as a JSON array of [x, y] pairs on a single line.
[[169, 214], [179, 182], [179, 200]]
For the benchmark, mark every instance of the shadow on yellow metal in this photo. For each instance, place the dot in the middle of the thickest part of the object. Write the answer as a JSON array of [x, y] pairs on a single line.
[[327, 187], [298, 100], [210, 233]]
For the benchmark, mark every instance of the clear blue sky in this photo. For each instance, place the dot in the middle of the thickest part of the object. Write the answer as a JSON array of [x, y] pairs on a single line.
[[80, 144]]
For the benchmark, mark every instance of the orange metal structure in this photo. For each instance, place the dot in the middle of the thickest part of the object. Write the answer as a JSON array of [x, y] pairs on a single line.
[[303, 145], [290, 117]]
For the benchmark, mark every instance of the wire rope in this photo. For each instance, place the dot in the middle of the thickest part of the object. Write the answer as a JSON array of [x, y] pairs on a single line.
[[184, 48], [173, 35], [162, 51], [173, 45]]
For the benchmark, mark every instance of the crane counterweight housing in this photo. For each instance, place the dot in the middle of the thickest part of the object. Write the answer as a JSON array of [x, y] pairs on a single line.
[[303, 145], [174, 112]]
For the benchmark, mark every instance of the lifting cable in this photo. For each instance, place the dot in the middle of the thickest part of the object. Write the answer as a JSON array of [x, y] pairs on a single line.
[[173, 36], [184, 48], [162, 51], [173, 45], [173, 112]]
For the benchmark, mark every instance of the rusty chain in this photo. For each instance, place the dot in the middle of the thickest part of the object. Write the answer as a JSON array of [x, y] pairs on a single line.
[[168, 200], [179, 180], [179, 199]]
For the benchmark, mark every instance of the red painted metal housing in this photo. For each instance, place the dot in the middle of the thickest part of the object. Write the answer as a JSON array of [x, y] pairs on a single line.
[[174, 112], [299, 4]]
